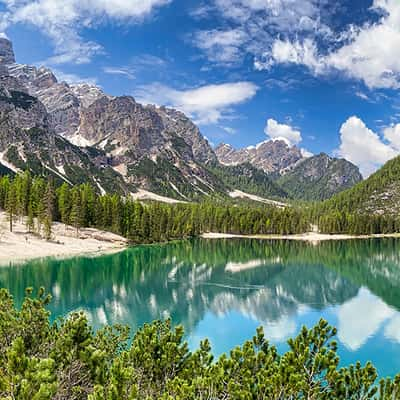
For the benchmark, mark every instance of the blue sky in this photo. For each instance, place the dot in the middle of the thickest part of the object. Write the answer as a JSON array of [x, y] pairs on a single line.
[[322, 75]]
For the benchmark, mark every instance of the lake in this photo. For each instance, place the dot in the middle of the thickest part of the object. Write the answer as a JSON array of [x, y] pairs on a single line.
[[224, 289]]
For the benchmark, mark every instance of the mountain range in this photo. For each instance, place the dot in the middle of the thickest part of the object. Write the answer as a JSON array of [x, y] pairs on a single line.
[[78, 134], [318, 177]]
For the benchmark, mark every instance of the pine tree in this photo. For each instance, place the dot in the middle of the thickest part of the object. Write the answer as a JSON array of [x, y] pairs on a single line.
[[76, 210], [30, 220], [11, 206], [64, 203]]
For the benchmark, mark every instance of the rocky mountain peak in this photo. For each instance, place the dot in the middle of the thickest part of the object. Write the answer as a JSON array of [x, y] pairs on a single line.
[[87, 93], [320, 177], [6, 52], [79, 134], [272, 156]]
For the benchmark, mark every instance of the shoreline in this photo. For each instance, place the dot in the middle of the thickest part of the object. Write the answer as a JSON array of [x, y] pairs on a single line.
[[20, 246], [310, 237]]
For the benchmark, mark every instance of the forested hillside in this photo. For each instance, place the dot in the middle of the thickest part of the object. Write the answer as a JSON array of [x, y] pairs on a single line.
[[248, 179], [378, 195]]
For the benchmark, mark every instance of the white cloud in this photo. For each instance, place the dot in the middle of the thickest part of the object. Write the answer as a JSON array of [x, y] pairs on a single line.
[[305, 153], [372, 54], [282, 329], [63, 20], [207, 104], [229, 130], [363, 96], [284, 15], [392, 134], [297, 32], [250, 26], [365, 148], [284, 51], [222, 47], [392, 329], [124, 71], [138, 63], [276, 131], [368, 53]]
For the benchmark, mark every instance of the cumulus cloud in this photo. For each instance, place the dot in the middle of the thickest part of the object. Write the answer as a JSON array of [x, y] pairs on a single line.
[[300, 32], [63, 20], [371, 56], [287, 52], [276, 131], [206, 104], [367, 52], [365, 148], [392, 135]]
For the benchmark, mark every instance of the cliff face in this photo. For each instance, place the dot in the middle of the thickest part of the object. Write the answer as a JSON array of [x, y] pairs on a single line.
[[62, 101], [155, 148], [28, 140]]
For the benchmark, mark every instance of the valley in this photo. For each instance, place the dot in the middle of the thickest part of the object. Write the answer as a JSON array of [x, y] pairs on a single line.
[[138, 258], [78, 134]]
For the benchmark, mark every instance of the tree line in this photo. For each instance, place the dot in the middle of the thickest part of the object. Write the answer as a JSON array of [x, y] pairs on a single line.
[[39, 201], [68, 360]]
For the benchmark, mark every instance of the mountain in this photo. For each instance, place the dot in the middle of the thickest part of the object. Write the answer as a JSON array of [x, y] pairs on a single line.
[[77, 133], [271, 156], [379, 194], [82, 134], [306, 178], [151, 147], [249, 179], [319, 177], [27, 141]]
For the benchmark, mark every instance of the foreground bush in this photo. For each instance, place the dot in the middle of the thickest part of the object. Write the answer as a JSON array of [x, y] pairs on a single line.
[[67, 360]]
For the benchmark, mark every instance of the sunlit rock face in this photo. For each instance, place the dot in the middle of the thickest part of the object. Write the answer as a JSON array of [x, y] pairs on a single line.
[[148, 147], [29, 139], [272, 156], [62, 101]]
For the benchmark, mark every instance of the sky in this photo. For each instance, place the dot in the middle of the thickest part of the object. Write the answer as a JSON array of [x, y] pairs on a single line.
[[322, 75]]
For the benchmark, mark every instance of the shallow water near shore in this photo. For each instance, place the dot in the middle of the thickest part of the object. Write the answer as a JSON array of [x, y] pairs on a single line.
[[223, 289]]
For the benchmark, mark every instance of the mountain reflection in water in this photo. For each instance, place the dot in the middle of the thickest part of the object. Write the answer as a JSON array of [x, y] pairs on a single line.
[[224, 289]]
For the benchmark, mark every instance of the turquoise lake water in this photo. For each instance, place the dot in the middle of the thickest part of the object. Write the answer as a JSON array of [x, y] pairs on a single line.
[[225, 289]]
